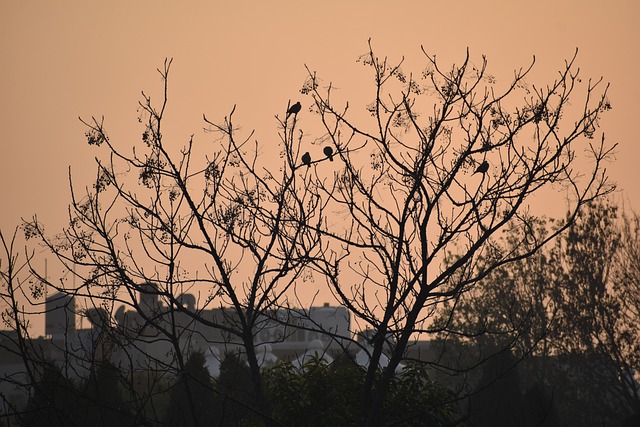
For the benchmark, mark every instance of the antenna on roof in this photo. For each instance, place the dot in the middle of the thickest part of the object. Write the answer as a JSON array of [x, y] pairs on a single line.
[[46, 280]]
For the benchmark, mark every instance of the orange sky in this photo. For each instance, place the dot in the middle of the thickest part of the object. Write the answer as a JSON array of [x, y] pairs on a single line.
[[65, 59]]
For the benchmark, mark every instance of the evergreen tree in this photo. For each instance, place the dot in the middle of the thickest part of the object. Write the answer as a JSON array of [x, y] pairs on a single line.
[[192, 398]]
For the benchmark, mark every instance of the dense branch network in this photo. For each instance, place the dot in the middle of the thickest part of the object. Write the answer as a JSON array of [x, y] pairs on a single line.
[[411, 199], [401, 214]]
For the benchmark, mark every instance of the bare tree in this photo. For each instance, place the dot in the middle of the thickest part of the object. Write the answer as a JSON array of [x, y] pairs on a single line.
[[378, 214], [409, 197], [211, 220], [15, 344]]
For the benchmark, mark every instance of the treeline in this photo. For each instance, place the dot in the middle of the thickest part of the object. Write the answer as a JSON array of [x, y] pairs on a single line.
[[316, 394], [559, 327], [548, 341]]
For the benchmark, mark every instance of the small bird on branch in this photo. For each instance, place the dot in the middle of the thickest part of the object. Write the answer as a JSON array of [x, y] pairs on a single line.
[[328, 151], [306, 159], [482, 168], [294, 109]]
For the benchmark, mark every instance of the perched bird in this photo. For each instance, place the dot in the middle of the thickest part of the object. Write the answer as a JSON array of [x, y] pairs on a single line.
[[328, 151], [482, 168], [306, 159], [294, 109]]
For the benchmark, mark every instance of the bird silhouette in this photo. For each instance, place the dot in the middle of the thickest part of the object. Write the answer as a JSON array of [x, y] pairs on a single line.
[[306, 159], [294, 109], [328, 151], [482, 168]]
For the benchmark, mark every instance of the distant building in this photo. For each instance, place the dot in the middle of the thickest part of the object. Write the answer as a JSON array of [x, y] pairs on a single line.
[[284, 334], [149, 299], [60, 316], [137, 339]]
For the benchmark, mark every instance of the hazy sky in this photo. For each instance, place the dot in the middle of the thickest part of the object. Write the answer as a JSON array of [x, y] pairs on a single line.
[[65, 59]]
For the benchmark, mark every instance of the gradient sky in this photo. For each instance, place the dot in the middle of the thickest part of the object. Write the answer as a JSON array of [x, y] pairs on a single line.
[[65, 59]]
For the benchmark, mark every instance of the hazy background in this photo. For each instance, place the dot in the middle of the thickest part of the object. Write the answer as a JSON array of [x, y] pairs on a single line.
[[64, 59]]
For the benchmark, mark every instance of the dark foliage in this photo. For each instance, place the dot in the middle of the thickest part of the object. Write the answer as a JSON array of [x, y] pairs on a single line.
[[318, 395], [53, 401], [98, 401], [192, 399]]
